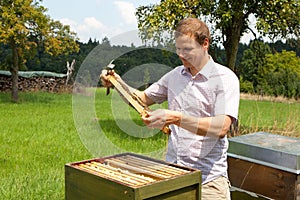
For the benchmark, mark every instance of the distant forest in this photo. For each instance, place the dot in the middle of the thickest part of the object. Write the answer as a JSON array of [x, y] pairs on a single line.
[[128, 57], [41, 61]]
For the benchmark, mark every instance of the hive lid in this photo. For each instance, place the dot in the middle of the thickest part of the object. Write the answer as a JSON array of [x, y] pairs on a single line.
[[273, 150]]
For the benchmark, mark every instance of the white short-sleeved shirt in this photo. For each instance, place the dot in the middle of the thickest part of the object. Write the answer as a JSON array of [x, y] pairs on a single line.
[[213, 91]]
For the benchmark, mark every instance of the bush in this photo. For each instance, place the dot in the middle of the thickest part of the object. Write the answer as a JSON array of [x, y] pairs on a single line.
[[246, 86]]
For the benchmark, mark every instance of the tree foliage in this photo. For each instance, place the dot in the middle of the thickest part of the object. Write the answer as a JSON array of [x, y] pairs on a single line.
[[24, 27], [276, 18], [279, 18], [281, 74], [283, 60], [252, 61], [267, 73]]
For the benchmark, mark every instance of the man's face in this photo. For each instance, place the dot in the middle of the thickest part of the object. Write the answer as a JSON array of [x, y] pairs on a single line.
[[189, 51]]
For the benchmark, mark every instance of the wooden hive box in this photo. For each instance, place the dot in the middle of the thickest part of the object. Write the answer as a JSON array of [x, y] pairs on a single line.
[[265, 164], [130, 177]]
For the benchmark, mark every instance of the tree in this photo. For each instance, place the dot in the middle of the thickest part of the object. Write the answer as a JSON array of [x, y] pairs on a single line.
[[280, 75], [24, 26], [282, 71], [253, 59], [275, 18], [283, 60]]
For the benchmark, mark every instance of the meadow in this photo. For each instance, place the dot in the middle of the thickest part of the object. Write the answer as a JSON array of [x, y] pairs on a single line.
[[38, 137]]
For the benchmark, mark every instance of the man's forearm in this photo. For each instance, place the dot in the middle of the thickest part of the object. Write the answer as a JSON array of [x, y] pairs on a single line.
[[217, 126]]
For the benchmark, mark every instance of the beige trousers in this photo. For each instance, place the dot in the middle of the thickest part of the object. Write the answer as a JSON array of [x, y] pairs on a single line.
[[217, 189]]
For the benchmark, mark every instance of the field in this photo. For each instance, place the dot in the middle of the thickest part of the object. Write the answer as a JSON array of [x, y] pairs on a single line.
[[274, 117], [38, 137]]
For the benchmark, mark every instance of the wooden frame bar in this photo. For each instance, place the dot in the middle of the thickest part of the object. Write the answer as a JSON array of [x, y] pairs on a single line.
[[130, 176]]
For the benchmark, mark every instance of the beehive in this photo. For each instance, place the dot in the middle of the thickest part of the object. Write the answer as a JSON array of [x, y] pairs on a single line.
[[266, 164], [130, 176]]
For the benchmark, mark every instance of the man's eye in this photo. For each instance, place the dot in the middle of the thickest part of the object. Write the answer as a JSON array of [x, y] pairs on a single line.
[[184, 50], [188, 49]]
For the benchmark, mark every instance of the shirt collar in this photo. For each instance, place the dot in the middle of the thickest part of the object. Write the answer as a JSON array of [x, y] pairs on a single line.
[[205, 71]]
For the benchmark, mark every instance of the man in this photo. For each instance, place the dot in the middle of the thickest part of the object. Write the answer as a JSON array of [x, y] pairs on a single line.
[[203, 100]]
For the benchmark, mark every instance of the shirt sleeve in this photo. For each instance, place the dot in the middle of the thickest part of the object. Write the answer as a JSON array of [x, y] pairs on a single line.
[[228, 96], [158, 91]]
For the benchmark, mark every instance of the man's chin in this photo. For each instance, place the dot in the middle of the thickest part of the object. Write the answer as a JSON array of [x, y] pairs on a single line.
[[186, 63]]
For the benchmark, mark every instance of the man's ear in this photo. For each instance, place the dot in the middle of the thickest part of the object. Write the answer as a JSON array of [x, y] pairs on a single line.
[[206, 43]]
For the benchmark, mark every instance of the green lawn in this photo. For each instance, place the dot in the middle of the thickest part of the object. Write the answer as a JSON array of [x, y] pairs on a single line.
[[274, 117], [38, 137]]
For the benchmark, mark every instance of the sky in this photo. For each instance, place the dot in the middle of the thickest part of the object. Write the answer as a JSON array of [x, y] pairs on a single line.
[[97, 19]]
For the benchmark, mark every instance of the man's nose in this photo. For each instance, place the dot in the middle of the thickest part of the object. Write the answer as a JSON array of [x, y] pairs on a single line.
[[180, 53]]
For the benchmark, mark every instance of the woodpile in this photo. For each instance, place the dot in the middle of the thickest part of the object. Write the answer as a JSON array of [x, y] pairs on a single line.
[[36, 83], [39, 80]]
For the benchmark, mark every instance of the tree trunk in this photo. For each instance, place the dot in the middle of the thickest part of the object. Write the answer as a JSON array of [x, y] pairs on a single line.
[[231, 45], [14, 73], [231, 53]]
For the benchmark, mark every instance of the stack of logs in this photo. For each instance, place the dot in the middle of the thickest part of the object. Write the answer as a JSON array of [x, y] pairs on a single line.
[[37, 83]]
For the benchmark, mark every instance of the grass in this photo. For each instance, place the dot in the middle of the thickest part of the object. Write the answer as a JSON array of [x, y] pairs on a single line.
[[274, 117], [38, 137], [129, 121]]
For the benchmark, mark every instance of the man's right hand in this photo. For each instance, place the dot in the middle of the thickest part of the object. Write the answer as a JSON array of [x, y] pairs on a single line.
[[104, 77]]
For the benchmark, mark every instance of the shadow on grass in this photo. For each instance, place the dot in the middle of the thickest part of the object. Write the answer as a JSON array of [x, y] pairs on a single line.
[[139, 140]]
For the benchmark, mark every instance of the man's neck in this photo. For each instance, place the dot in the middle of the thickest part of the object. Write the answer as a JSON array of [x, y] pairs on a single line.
[[194, 70]]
